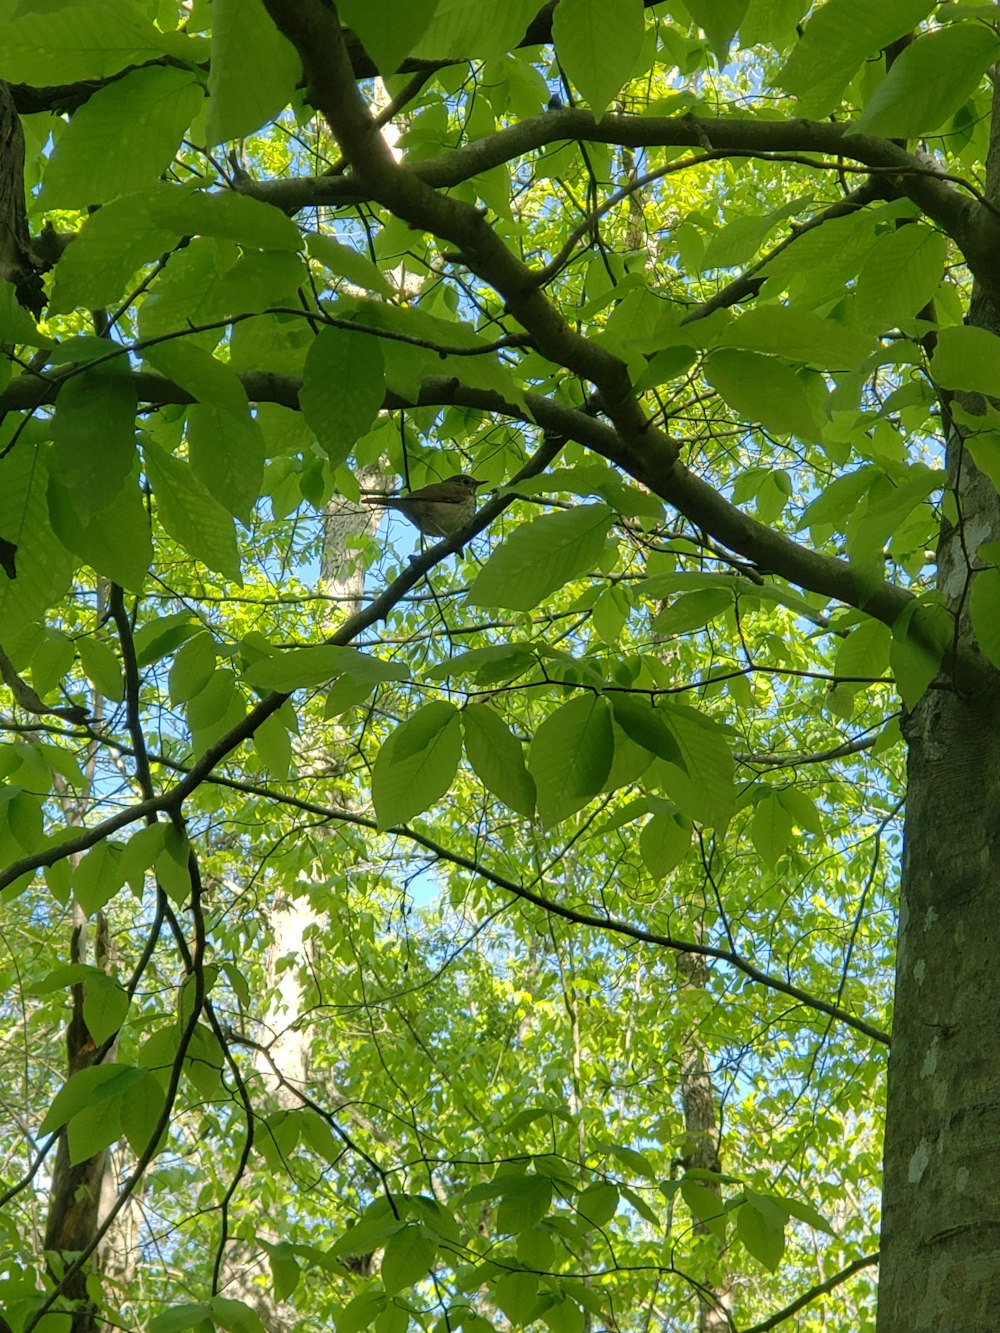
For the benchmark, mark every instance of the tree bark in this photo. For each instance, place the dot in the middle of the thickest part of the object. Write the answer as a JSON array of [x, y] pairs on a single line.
[[941, 1196]]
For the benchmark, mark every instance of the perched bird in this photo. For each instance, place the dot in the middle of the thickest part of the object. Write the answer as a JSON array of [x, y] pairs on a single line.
[[438, 510]]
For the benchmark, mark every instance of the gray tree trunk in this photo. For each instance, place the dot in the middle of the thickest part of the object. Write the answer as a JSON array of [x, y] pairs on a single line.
[[941, 1200]]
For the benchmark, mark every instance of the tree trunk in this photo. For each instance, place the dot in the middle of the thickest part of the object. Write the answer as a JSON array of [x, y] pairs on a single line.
[[941, 1197]]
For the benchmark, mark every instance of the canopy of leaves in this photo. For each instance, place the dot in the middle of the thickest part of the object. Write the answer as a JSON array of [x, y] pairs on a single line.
[[493, 933]]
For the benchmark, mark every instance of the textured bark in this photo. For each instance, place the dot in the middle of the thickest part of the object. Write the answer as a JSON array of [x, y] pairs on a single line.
[[15, 260], [941, 1203], [81, 1192]]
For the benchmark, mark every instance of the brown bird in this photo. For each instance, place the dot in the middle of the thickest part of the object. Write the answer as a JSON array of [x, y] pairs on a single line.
[[438, 510]]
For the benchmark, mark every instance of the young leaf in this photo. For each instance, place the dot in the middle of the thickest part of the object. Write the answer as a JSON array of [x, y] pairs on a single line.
[[598, 43], [539, 557], [408, 1257], [416, 765], [571, 756], [343, 388], [497, 758]]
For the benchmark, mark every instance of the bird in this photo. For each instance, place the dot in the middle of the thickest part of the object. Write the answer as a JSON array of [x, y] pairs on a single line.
[[438, 510]]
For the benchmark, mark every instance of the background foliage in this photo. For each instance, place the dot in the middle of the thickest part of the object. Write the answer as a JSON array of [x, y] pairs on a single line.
[[496, 935]]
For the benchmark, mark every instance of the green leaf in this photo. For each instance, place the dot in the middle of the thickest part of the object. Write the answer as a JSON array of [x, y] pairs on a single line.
[[359, 1313], [837, 38], [771, 828], [648, 728], [693, 610], [389, 43], [190, 514], [408, 1257], [417, 763], [115, 542], [182, 1317], [105, 1005], [800, 336], [65, 43], [967, 357], [98, 876], [706, 1206], [285, 1270], [571, 756], [226, 450], [347, 262], [719, 20], [703, 788], [900, 275], [192, 668], [760, 1225], [539, 557], [94, 434], [252, 73], [343, 388], [298, 668], [920, 637], [140, 852], [460, 28], [865, 651], [929, 80], [664, 842], [106, 251], [235, 1316], [598, 1203], [525, 1200], [984, 607], [144, 114], [226, 216], [102, 668], [765, 389], [497, 758], [598, 44]]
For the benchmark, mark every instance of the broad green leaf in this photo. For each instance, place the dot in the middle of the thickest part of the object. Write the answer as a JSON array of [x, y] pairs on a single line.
[[416, 764], [98, 876], [253, 70], [703, 788], [526, 1199], [407, 1258], [497, 758], [298, 668], [140, 852], [571, 756], [285, 1270], [227, 216], [920, 637], [343, 388], [984, 606], [838, 501], [161, 636], [966, 357], [203, 375], [929, 80], [664, 842], [226, 450], [598, 1203], [760, 1225], [837, 38], [144, 114], [348, 263], [539, 557], [771, 829], [192, 668], [765, 389], [389, 43], [461, 28], [693, 610], [105, 1005], [706, 1206], [719, 20], [107, 250], [900, 275], [800, 336], [598, 44], [274, 745], [94, 434], [235, 1316], [647, 727], [65, 43], [359, 1313], [190, 514], [182, 1317], [102, 667], [865, 651], [115, 541]]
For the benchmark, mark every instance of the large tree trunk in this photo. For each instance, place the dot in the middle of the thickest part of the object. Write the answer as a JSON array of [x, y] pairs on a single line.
[[941, 1214]]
